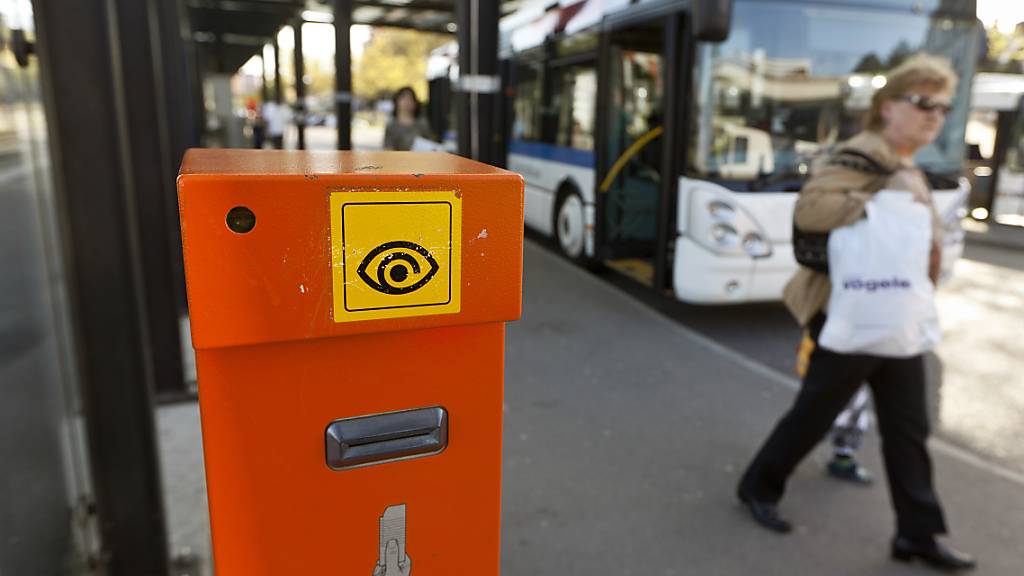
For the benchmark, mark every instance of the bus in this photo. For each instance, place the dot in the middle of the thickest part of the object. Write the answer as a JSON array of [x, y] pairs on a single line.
[[995, 142], [676, 159]]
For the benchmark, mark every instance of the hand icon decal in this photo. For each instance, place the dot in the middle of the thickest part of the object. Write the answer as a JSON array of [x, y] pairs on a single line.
[[393, 565]]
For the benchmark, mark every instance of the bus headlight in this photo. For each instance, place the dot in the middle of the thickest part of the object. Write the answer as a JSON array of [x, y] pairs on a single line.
[[726, 228], [721, 211], [725, 235], [756, 246]]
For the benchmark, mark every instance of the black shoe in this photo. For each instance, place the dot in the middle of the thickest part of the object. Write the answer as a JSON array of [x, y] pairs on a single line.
[[933, 553], [848, 469], [766, 514]]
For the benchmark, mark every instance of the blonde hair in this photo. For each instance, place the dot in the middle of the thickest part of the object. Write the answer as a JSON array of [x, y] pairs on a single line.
[[919, 71]]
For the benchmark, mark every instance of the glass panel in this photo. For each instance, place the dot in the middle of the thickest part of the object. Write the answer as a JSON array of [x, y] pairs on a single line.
[[637, 95], [41, 445], [1015, 151], [741, 150], [577, 43], [527, 103], [1008, 204], [794, 79], [576, 108]]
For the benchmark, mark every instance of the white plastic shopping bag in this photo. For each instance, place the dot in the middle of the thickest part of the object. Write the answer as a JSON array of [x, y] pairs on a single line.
[[882, 302], [421, 144]]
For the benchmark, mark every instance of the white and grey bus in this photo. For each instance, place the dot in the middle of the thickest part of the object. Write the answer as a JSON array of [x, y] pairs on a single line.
[[677, 160]]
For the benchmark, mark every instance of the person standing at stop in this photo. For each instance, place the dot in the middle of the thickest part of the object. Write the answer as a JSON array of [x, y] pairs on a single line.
[[406, 126], [276, 117]]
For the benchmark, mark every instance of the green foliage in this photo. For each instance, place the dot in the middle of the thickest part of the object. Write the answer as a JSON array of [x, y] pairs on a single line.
[[321, 77], [394, 58], [1005, 51]]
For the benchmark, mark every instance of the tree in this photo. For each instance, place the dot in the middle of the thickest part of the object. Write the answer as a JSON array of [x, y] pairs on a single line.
[[869, 64], [394, 58], [899, 54], [1005, 51]]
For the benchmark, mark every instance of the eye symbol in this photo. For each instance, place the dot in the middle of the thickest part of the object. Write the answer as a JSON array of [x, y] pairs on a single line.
[[398, 271]]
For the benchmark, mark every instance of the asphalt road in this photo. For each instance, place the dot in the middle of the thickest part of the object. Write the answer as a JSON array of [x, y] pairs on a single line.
[[978, 387]]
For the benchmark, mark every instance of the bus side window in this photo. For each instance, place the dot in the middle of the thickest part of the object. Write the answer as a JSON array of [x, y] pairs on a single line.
[[1015, 153], [578, 93], [527, 104], [1015, 158], [740, 156]]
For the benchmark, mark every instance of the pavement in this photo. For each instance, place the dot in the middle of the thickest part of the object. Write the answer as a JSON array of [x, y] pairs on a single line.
[[624, 436], [364, 136]]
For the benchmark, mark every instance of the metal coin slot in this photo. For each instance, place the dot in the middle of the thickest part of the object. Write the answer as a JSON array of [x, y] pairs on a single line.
[[366, 440]]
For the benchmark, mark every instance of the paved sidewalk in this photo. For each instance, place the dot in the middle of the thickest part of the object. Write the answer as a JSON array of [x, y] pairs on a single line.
[[624, 438]]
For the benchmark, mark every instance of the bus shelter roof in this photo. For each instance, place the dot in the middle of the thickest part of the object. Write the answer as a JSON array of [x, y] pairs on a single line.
[[239, 28]]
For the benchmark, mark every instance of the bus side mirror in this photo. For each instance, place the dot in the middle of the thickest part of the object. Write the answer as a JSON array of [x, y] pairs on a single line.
[[712, 20], [22, 47]]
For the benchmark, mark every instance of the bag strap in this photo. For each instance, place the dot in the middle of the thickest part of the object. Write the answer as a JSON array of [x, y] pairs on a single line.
[[859, 161]]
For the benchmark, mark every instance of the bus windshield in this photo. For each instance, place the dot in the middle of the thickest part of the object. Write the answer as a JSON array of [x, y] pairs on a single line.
[[793, 79]]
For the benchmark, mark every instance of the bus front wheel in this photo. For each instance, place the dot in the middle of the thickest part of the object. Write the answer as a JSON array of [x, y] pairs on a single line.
[[570, 226]]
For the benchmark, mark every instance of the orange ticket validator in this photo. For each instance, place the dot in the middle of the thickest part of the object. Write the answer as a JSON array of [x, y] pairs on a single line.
[[348, 313]]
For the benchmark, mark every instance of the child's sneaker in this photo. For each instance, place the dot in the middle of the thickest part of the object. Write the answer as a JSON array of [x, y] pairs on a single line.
[[846, 468]]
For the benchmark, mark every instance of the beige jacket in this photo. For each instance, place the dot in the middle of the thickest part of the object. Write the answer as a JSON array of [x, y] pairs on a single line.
[[835, 197]]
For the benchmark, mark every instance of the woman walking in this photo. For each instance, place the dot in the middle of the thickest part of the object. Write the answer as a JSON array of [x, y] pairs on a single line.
[[905, 116]]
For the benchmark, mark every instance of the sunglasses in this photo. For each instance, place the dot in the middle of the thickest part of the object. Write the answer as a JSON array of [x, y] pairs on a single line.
[[926, 104]]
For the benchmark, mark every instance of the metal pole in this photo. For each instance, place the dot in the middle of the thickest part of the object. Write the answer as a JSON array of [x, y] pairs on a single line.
[[180, 112], [147, 90], [343, 71], [198, 64], [277, 72], [218, 44], [479, 80], [463, 111], [264, 89], [300, 86]]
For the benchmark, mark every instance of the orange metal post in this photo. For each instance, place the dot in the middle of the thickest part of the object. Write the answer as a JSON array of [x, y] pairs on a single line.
[[345, 285]]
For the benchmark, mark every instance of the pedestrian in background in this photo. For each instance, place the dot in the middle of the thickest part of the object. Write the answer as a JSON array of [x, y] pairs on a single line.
[[276, 117], [406, 124], [905, 116], [254, 114]]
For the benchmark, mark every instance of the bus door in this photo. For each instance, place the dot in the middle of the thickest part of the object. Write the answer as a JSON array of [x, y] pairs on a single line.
[[633, 176]]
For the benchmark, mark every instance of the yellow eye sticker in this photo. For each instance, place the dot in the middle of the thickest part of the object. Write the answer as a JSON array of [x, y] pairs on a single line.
[[395, 254]]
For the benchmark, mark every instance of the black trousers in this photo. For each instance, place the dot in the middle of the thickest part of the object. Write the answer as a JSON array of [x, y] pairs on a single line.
[[898, 387]]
